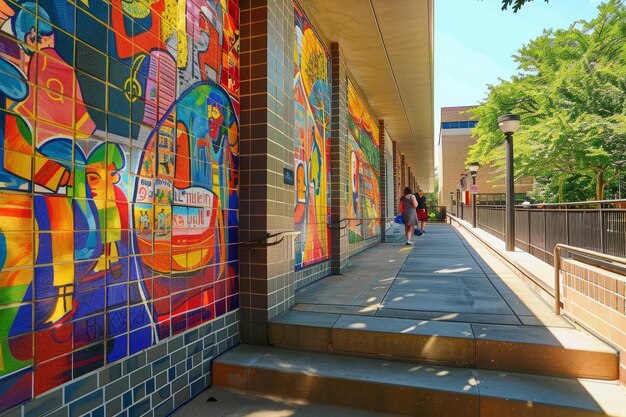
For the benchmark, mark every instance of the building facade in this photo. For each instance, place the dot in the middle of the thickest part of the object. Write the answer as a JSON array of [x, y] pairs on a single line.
[[455, 140]]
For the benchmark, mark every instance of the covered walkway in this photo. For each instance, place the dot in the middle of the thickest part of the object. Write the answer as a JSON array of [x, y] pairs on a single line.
[[446, 276], [443, 327]]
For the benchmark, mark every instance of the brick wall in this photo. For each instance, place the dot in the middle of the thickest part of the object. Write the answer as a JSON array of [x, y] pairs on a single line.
[[267, 146], [396, 177], [383, 178], [339, 170], [596, 298]]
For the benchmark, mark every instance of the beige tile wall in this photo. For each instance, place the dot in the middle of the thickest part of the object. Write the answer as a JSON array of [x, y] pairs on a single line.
[[597, 299]]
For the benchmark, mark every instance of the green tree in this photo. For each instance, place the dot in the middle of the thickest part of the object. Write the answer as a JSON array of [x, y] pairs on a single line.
[[570, 91], [517, 4]]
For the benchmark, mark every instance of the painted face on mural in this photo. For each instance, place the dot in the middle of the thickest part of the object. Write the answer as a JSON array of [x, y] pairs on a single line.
[[40, 41], [101, 180], [216, 118], [36, 33]]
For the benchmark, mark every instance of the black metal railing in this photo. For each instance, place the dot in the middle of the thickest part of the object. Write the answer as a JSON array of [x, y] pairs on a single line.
[[595, 225]]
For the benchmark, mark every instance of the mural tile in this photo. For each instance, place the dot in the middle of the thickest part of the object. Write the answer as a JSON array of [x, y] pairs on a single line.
[[91, 31]]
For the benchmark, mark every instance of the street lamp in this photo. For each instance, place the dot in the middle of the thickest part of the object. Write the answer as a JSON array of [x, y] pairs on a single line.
[[473, 169], [509, 123]]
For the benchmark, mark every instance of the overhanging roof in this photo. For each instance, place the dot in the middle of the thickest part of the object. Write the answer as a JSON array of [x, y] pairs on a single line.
[[389, 49]]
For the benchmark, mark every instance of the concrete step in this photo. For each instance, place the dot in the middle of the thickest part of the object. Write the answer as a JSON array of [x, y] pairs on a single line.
[[412, 389], [562, 352], [237, 403]]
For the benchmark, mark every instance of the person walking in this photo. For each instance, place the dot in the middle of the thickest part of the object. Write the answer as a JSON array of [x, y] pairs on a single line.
[[422, 210], [407, 206]]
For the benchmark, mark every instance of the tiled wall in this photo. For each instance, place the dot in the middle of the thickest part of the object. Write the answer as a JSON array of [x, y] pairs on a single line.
[[119, 154], [363, 245], [312, 143], [396, 177], [312, 273], [597, 299], [339, 168], [384, 189], [363, 199], [151, 383], [267, 146]]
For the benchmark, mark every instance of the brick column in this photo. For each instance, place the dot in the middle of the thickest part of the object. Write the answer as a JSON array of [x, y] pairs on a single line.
[[409, 182], [403, 176], [383, 178], [338, 161], [396, 177], [266, 203]]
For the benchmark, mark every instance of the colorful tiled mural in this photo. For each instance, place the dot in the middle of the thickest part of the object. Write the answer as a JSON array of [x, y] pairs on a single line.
[[363, 191], [312, 147], [118, 180]]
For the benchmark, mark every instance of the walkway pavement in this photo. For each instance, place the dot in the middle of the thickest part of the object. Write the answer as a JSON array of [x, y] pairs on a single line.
[[446, 322], [448, 275], [223, 402]]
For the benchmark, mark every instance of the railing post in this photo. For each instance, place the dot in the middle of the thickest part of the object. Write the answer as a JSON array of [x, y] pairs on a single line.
[[566, 224], [545, 234], [557, 284], [529, 231], [602, 237]]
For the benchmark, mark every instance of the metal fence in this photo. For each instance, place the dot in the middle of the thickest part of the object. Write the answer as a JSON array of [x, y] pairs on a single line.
[[594, 225]]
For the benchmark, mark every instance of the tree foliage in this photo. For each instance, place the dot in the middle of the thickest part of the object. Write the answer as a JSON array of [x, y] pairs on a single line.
[[570, 91], [517, 4]]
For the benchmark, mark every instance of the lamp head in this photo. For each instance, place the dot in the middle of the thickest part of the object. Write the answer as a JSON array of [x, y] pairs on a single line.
[[473, 168], [509, 123]]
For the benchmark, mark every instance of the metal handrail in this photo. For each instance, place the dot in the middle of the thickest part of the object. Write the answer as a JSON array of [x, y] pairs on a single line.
[[557, 268], [578, 203], [331, 225], [262, 241], [572, 203]]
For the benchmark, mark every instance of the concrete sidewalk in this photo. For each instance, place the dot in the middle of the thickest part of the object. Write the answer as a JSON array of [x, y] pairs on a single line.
[[444, 327], [446, 276]]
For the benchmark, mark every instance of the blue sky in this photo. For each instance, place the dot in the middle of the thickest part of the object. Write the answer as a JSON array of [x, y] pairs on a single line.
[[475, 41]]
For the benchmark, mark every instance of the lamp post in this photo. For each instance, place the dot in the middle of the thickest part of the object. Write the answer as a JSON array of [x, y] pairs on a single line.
[[473, 169], [509, 123]]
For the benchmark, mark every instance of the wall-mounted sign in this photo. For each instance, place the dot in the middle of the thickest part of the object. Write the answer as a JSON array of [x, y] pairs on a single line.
[[288, 176]]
